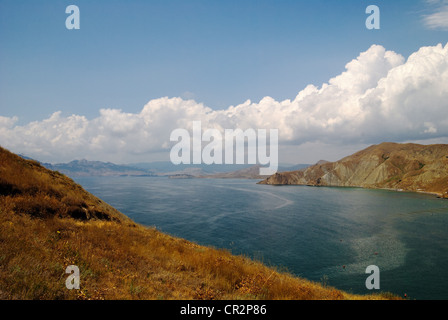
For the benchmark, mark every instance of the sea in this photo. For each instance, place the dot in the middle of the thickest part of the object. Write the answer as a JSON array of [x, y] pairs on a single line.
[[329, 235]]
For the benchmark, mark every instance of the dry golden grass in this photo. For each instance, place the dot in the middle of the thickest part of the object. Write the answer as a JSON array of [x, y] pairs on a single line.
[[125, 262], [40, 236], [27, 187]]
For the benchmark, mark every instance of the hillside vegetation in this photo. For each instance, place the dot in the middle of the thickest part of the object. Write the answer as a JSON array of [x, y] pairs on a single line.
[[48, 222], [408, 167]]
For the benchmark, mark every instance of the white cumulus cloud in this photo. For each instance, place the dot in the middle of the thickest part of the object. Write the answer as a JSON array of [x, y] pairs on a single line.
[[380, 96]]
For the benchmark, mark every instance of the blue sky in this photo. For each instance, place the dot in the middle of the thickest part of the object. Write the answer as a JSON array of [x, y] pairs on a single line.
[[114, 73], [216, 52]]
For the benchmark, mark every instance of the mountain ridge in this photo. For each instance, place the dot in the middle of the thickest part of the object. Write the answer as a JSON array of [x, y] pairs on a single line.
[[88, 168]]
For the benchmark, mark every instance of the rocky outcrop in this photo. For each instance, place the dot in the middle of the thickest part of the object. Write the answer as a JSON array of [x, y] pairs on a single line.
[[408, 167]]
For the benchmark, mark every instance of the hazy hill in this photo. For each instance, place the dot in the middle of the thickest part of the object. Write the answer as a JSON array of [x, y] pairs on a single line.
[[410, 167], [48, 222], [79, 168], [246, 173], [85, 168], [166, 168], [252, 172]]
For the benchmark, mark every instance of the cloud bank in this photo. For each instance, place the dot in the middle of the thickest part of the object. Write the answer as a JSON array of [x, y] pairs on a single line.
[[379, 97]]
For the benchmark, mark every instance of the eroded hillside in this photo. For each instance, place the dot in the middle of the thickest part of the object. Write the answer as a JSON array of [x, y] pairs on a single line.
[[409, 167]]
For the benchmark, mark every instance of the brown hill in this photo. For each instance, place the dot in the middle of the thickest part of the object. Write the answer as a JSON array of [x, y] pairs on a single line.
[[409, 167], [48, 222], [28, 187]]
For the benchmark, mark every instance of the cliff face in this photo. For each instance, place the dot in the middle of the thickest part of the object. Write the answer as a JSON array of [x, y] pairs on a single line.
[[409, 167]]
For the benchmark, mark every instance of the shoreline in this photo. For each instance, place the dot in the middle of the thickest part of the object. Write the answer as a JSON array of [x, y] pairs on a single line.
[[433, 193], [439, 195]]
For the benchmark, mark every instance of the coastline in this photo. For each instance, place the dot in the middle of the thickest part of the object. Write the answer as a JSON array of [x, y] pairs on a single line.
[[433, 193]]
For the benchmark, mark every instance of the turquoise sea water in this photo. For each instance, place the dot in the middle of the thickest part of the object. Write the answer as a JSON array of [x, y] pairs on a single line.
[[322, 234]]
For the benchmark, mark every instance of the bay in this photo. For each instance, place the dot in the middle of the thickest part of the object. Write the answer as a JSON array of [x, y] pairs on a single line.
[[328, 235]]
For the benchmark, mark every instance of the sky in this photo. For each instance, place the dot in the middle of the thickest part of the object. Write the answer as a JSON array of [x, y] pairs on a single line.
[[136, 70]]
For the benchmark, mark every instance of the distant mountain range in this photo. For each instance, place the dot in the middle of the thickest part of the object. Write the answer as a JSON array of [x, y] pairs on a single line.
[[80, 168], [83, 168], [406, 167], [201, 170]]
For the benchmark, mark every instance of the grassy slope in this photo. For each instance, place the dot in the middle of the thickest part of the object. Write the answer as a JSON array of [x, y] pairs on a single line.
[[48, 222]]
